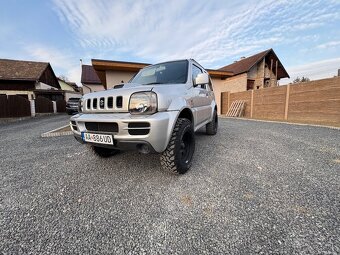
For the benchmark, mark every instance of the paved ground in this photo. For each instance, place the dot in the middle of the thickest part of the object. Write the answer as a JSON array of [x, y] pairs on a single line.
[[254, 188]]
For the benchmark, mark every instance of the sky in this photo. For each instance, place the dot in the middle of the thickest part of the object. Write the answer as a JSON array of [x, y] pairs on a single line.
[[304, 34]]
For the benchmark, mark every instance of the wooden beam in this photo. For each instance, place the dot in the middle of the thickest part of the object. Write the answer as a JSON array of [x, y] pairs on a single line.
[[276, 64], [287, 102], [251, 103], [219, 74], [271, 70]]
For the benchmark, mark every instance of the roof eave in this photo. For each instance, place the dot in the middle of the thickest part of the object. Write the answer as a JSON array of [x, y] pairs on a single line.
[[103, 65], [219, 74]]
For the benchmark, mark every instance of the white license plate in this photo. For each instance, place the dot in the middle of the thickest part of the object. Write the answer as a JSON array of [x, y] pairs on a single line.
[[97, 138]]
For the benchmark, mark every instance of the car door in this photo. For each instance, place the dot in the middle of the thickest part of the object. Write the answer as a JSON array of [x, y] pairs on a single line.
[[201, 101]]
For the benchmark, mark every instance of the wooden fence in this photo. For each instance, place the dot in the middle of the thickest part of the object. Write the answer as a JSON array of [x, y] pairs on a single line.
[[14, 106], [61, 105], [43, 105], [311, 102]]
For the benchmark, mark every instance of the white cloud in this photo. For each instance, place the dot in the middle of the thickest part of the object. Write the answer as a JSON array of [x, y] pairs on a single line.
[[316, 70], [63, 63], [209, 31], [330, 44]]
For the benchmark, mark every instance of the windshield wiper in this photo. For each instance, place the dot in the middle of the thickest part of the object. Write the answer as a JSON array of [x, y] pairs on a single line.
[[154, 83]]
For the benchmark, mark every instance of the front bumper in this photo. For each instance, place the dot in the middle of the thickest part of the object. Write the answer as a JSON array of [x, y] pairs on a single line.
[[161, 126]]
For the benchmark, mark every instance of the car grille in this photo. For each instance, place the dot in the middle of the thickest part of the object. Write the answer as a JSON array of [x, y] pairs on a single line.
[[103, 103], [111, 127]]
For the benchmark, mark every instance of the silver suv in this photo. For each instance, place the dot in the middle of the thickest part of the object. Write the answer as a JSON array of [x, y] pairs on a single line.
[[158, 110]]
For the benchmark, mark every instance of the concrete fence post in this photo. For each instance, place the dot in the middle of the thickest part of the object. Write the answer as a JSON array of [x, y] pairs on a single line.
[[54, 106], [32, 107], [251, 103], [287, 102]]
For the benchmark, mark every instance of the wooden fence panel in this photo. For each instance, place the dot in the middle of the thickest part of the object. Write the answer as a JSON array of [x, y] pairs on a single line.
[[317, 102], [43, 105], [245, 96], [14, 106], [270, 103], [61, 105], [19, 106], [4, 109], [311, 102]]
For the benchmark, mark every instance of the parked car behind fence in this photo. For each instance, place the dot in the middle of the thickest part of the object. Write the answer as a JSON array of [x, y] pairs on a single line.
[[72, 105]]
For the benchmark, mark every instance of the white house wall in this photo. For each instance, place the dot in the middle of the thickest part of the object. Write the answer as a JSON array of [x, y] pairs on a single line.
[[233, 84], [116, 77], [41, 85], [94, 88]]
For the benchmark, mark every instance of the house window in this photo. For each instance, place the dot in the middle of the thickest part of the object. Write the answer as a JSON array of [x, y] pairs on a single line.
[[250, 84], [266, 83]]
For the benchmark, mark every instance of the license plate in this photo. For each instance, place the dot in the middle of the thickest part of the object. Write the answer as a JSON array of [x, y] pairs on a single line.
[[97, 138]]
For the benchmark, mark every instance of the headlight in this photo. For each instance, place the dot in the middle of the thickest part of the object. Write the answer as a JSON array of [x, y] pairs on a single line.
[[143, 103], [80, 105]]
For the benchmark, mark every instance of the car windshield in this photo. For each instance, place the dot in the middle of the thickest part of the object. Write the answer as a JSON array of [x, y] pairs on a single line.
[[164, 73]]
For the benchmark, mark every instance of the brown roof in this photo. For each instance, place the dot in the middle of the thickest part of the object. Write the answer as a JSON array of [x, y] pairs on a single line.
[[21, 70], [245, 64], [89, 75]]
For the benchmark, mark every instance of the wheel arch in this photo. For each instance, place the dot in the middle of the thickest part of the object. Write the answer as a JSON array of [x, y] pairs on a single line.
[[186, 113]]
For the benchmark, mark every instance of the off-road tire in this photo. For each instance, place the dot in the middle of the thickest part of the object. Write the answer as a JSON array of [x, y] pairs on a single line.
[[211, 127], [103, 152], [177, 158]]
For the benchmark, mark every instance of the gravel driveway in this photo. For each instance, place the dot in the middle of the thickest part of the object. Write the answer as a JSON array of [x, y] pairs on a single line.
[[255, 187]]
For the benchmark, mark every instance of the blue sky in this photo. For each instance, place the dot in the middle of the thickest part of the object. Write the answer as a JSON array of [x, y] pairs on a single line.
[[304, 34]]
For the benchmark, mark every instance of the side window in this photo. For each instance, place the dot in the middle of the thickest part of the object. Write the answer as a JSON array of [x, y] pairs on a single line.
[[195, 71]]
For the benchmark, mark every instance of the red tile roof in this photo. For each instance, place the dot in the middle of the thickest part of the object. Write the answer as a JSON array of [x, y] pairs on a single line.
[[244, 65], [89, 75]]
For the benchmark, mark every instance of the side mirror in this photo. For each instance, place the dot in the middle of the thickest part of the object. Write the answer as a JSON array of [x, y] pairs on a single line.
[[202, 78]]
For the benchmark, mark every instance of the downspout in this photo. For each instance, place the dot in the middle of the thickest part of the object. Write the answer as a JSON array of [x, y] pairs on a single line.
[[88, 88]]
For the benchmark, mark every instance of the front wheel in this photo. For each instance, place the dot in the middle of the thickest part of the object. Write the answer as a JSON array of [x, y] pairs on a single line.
[[211, 127], [177, 158], [103, 152]]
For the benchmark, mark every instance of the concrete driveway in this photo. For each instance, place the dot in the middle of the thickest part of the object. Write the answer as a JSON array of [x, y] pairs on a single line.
[[254, 188]]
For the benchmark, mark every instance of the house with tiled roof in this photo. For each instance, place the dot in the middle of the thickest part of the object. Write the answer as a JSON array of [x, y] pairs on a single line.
[[258, 71], [263, 69], [90, 80], [28, 79]]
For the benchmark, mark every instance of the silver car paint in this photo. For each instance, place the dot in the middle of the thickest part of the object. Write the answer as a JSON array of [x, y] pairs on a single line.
[[172, 99]]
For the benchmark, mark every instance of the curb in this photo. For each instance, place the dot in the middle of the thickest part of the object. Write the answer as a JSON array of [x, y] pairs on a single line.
[[281, 122], [52, 133]]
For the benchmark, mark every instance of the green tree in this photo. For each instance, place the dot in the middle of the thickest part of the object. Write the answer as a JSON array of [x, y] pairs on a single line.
[[303, 79]]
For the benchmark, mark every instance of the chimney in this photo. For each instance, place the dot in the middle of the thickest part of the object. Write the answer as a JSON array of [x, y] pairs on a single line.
[[242, 58], [339, 72]]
